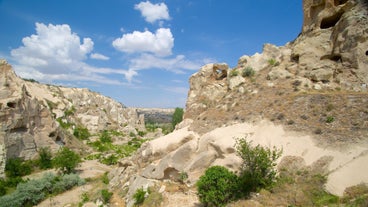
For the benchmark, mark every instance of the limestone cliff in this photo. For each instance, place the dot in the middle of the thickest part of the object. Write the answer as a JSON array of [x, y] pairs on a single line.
[[308, 97], [31, 115]]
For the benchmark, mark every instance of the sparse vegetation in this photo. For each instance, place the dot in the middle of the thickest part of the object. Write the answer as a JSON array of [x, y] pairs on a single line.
[[177, 116], [218, 186], [45, 158], [139, 196], [234, 73], [248, 72], [273, 62], [66, 160], [106, 196], [81, 133], [258, 167], [330, 119]]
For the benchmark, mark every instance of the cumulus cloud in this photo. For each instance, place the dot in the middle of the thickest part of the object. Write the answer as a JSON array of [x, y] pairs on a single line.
[[153, 12], [98, 56], [56, 53], [159, 43], [53, 47]]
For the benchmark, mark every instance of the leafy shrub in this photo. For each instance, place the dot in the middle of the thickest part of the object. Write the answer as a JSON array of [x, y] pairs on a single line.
[[177, 116], [66, 160], [273, 62], [105, 137], [110, 160], [139, 196], [81, 133], [45, 158], [105, 178], [217, 187], [257, 170], [69, 112], [248, 72], [330, 119], [106, 195], [234, 73], [2, 187], [15, 167], [33, 191], [183, 176]]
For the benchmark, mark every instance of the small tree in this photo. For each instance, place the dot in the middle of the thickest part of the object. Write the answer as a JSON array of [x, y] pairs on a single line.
[[66, 160], [45, 158], [257, 170], [217, 187], [177, 116], [15, 167]]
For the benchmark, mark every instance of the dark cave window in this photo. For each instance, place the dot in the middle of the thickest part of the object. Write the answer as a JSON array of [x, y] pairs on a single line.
[[339, 2], [366, 53], [11, 104], [331, 21]]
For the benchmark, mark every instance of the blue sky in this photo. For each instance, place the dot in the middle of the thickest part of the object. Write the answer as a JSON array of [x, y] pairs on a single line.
[[141, 53]]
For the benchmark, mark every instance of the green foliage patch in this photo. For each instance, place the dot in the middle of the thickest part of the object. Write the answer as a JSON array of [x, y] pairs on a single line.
[[217, 187], [66, 160]]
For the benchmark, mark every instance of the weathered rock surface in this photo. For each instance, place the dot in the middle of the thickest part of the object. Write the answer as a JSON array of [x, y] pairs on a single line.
[[302, 98], [29, 110]]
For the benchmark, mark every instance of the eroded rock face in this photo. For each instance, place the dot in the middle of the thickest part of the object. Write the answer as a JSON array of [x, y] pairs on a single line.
[[28, 113], [334, 41]]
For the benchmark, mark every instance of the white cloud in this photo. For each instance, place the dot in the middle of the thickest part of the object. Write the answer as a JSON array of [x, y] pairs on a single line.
[[177, 64], [159, 43], [153, 12], [56, 53], [98, 56], [53, 48]]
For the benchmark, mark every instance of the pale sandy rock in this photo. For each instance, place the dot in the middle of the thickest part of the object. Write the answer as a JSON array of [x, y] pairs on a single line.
[[235, 81], [278, 73]]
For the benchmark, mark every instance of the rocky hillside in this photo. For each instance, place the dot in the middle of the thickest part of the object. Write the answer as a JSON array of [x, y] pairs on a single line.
[[156, 115], [308, 97], [34, 115]]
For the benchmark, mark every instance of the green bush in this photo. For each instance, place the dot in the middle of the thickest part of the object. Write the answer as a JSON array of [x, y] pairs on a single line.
[[257, 170], [177, 116], [105, 137], [217, 187], [248, 72], [105, 195], [30, 193], [45, 158], [2, 187], [81, 133], [110, 160], [15, 167], [234, 73], [330, 119], [105, 178], [139, 196], [66, 160], [273, 62]]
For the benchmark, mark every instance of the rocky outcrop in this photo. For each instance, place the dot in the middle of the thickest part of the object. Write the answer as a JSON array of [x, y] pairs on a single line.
[[333, 45], [301, 97], [32, 115]]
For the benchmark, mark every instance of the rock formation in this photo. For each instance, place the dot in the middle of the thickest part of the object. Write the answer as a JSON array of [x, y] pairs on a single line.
[[308, 97], [31, 115]]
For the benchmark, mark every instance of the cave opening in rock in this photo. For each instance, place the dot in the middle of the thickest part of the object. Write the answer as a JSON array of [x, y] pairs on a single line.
[[340, 2], [331, 21], [11, 104], [59, 141], [366, 53], [295, 58]]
